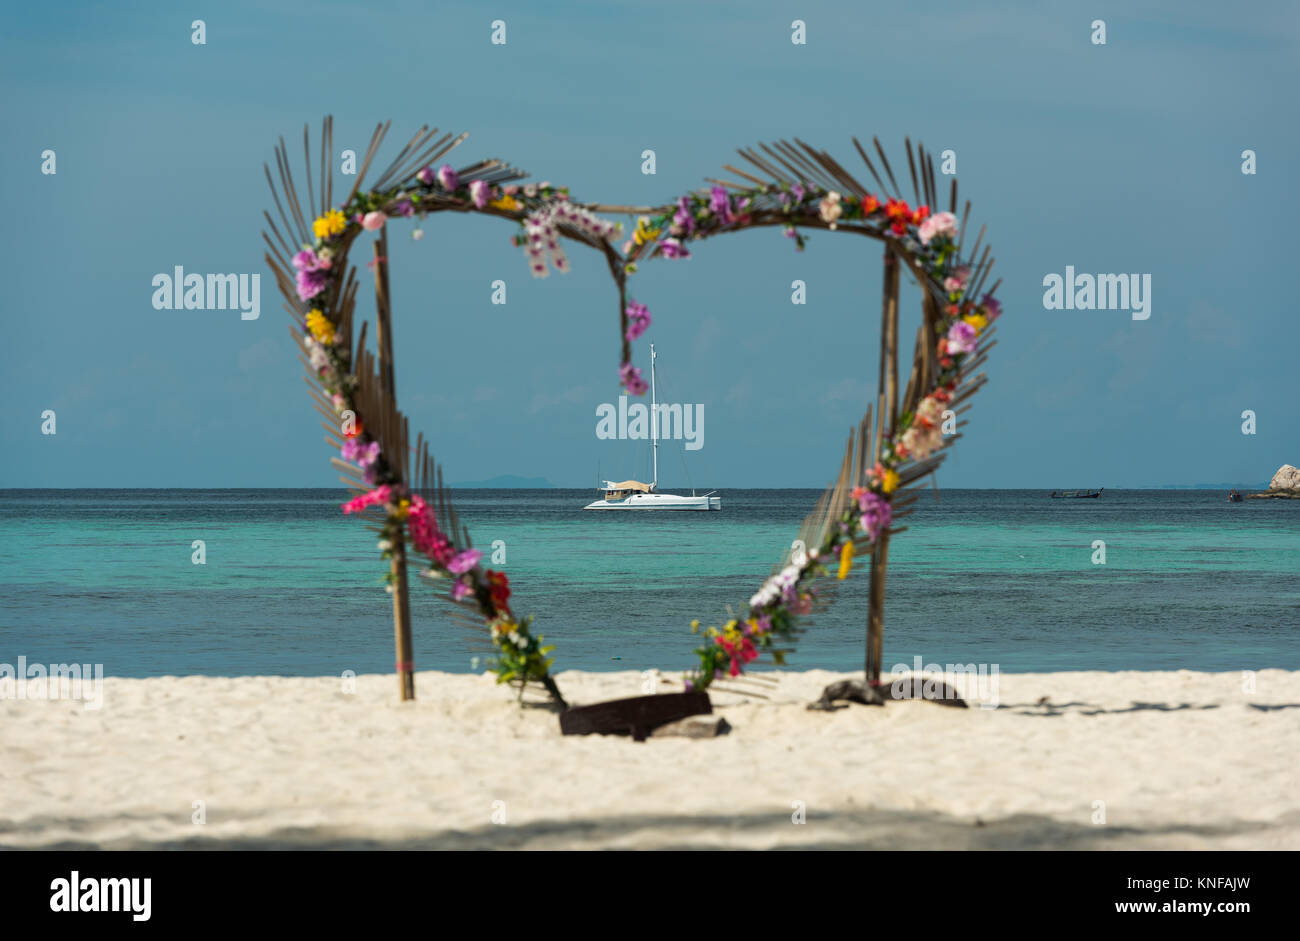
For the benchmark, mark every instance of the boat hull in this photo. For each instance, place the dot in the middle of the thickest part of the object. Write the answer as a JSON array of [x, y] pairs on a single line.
[[657, 501]]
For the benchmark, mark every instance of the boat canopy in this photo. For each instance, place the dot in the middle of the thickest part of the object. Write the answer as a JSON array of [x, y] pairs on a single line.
[[627, 485]]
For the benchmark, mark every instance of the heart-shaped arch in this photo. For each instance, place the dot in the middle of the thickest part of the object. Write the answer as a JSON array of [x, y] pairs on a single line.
[[792, 185]]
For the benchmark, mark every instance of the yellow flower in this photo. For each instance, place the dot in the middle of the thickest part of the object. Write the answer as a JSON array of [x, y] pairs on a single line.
[[506, 202], [332, 223], [403, 509], [321, 328], [846, 559], [890, 482], [695, 626], [643, 231], [978, 321]]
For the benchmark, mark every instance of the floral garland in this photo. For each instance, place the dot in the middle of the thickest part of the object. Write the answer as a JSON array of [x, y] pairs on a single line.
[[930, 240], [520, 655]]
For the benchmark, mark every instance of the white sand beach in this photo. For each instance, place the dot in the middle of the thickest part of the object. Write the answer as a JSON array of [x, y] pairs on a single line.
[[1181, 760]]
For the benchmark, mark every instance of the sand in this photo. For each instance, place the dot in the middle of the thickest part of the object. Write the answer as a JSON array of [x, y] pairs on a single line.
[[1180, 760]]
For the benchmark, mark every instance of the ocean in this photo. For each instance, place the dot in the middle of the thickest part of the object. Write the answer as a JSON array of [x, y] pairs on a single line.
[[292, 587]]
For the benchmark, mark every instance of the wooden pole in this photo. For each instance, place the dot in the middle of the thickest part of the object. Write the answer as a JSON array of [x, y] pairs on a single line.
[[402, 621], [383, 318], [401, 598], [886, 418]]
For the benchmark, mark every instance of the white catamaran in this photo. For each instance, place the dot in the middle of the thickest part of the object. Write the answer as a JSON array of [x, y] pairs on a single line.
[[634, 495]]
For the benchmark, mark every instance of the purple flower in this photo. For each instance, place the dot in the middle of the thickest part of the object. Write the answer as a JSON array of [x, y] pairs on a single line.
[[403, 208], [426, 176], [673, 248], [630, 377], [448, 178], [993, 306], [311, 281], [638, 316], [798, 192], [683, 216], [359, 452], [464, 561], [961, 338], [478, 191], [720, 204], [460, 590], [876, 514]]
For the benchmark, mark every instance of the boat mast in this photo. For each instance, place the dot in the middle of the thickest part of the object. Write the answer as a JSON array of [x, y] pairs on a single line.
[[654, 419]]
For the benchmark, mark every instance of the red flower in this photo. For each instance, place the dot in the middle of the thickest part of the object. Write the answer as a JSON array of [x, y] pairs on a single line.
[[946, 363], [897, 209], [499, 586], [952, 310], [869, 204], [920, 215]]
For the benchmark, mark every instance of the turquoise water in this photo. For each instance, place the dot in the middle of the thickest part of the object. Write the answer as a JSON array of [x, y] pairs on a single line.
[[292, 587]]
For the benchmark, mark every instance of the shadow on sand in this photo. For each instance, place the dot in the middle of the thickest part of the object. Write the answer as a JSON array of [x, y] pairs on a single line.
[[849, 830]]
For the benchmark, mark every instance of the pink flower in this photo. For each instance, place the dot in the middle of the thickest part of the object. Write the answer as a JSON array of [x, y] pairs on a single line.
[[373, 220], [370, 498], [461, 589], [448, 177], [425, 534], [426, 176], [957, 280], [961, 338], [464, 561], [937, 225], [478, 191], [630, 377]]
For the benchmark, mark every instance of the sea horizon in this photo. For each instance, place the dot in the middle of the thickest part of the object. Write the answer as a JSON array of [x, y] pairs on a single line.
[[1139, 579]]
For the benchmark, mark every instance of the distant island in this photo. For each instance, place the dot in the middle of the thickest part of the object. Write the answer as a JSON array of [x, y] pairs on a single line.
[[505, 482]]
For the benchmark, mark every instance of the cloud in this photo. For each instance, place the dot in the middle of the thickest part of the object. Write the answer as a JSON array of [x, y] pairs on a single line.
[[850, 390], [260, 355], [710, 331], [575, 396]]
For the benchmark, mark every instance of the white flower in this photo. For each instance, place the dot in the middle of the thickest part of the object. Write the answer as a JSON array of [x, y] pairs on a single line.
[[417, 234], [830, 208]]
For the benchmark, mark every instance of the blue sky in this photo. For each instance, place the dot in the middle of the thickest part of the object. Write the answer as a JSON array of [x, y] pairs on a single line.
[[1115, 158]]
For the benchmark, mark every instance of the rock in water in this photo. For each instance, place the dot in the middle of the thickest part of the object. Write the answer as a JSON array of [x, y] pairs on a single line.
[[1286, 478]]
